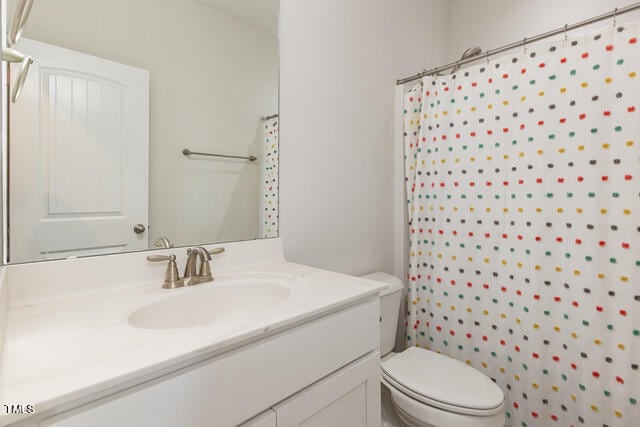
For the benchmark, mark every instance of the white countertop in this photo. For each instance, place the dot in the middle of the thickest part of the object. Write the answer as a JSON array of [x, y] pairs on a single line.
[[61, 350]]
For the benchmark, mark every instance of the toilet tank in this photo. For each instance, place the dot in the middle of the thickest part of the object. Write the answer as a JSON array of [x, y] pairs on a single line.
[[390, 299]]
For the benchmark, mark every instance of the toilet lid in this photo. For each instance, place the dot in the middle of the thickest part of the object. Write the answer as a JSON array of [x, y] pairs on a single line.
[[443, 379]]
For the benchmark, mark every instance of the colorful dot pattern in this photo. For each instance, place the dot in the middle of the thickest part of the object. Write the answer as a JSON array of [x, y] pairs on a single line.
[[523, 183], [270, 189]]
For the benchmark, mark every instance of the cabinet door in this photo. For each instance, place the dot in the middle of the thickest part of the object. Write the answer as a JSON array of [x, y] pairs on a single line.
[[347, 398]]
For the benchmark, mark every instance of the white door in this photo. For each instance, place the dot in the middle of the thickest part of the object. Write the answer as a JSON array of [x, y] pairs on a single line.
[[79, 156], [348, 398]]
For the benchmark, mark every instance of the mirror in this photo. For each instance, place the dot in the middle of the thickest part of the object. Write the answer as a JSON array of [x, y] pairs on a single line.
[[117, 93]]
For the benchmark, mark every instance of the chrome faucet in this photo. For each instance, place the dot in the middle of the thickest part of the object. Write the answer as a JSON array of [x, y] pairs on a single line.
[[193, 275], [163, 242]]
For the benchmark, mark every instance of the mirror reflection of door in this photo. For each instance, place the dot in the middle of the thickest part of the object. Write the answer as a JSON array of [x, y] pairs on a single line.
[[209, 72], [78, 149]]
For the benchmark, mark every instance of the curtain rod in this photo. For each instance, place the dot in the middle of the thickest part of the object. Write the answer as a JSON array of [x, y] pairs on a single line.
[[613, 14]]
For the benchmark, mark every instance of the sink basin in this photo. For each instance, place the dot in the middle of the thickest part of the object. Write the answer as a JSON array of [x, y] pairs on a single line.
[[210, 304]]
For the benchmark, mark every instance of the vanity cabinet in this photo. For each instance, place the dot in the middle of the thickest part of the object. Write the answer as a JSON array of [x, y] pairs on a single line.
[[320, 372]]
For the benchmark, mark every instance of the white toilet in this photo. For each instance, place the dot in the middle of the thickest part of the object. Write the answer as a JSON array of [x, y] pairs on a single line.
[[426, 388]]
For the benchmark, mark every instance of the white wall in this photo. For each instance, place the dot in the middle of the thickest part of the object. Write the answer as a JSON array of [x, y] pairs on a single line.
[[212, 77], [492, 23], [339, 62]]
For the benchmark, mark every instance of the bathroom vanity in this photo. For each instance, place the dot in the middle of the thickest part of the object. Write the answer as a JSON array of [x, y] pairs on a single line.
[[268, 343]]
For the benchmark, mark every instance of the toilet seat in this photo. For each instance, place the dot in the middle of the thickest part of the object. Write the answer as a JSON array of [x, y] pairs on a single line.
[[442, 382], [416, 414]]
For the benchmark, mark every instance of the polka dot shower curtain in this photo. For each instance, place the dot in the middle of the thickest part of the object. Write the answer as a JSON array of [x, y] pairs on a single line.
[[523, 183], [269, 180]]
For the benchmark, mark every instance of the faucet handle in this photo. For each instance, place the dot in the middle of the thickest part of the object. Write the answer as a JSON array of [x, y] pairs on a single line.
[[171, 276], [160, 258], [216, 251], [205, 268]]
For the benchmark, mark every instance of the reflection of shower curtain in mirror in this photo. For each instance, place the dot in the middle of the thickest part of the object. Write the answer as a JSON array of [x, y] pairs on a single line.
[[269, 183], [523, 197]]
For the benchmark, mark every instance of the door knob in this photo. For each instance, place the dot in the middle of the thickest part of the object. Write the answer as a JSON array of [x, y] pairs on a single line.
[[139, 228]]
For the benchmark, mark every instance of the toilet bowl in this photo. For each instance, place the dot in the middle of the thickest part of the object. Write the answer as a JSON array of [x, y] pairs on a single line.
[[427, 388]]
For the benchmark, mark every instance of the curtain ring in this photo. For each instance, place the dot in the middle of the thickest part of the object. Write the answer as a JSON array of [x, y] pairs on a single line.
[[487, 53], [565, 32], [524, 45], [615, 15]]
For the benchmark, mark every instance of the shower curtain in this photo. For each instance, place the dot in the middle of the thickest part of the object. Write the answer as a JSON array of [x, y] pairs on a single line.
[[269, 183], [523, 184]]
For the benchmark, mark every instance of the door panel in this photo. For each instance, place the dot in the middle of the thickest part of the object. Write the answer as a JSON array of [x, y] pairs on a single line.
[[82, 133], [348, 398], [78, 144]]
